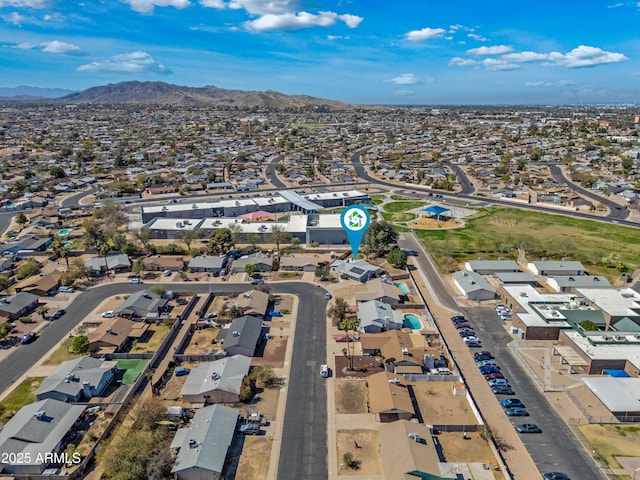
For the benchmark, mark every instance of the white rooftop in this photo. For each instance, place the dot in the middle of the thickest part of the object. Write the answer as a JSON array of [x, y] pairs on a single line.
[[616, 302], [544, 302], [330, 195], [616, 350]]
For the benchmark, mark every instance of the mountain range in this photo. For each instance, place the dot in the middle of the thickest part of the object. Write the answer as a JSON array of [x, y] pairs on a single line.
[[161, 93], [26, 92]]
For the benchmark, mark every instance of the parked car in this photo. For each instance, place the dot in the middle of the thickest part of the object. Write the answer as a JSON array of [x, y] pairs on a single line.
[[167, 273], [327, 296], [456, 318], [512, 402], [499, 306], [466, 332], [494, 375], [249, 429], [28, 338], [181, 371], [108, 314], [516, 412], [487, 363], [489, 369], [476, 344], [555, 476], [502, 390], [135, 280], [481, 358], [528, 428], [344, 338], [210, 315], [485, 353], [498, 381], [462, 325], [65, 289], [58, 313], [471, 338]]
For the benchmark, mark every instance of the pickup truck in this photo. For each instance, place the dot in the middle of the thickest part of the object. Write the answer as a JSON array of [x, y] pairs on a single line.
[[249, 429]]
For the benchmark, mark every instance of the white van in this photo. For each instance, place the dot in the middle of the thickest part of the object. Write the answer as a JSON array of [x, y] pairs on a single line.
[[324, 371]]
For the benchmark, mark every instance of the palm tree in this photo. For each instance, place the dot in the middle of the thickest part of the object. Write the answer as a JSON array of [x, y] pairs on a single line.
[[42, 311], [103, 250], [60, 249], [279, 235], [350, 324]]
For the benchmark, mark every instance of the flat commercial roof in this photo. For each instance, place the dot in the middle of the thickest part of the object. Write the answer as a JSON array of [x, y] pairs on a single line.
[[300, 201], [616, 302], [619, 395]]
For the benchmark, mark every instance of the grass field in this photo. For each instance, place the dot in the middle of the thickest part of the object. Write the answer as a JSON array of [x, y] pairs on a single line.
[[611, 441], [399, 217], [159, 334], [62, 354], [132, 369], [22, 395], [288, 275], [397, 207], [499, 231], [377, 199]]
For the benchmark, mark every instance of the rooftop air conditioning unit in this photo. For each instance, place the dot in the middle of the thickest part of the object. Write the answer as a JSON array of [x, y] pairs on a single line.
[[405, 351], [620, 338], [235, 333], [215, 376], [40, 414]]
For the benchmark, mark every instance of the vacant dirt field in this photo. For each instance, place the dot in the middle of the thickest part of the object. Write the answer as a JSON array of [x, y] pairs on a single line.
[[472, 449], [611, 441], [367, 451], [283, 302], [254, 461], [202, 341], [363, 366], [351, 396], [439, 405]]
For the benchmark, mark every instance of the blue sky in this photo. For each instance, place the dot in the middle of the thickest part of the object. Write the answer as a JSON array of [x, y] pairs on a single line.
[[356, 51]]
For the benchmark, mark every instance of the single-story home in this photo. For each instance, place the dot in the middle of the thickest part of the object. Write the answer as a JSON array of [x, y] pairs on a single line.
[[242, 336], [34, 432], [359, 270], [253, 302], [207, 263], [378, 289], [160, 263], [117, 263], [29, 244], [40, 285], [397, 348], [18, 305], [298, 264], [216, 382], [389, 400], [141, 304], [260, 262], [564, 283], [114, 335], [202, 447], [551, 268], [473, 286], [79, 379], [375, 316]]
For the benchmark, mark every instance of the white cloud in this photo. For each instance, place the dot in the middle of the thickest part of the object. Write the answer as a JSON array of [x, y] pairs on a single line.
[[338, 37], [525, 56], [462, 62], [14, 18], [494, 50], [561, 83], [25, 46], [297, 21], [147, 6], [54, 17], [134, 62], [59, 47], [24, 3], [262, 7], [617, 5], [404, 79], [425, 34], [585, 56], [219, 4], [477, 37], [498, 64]]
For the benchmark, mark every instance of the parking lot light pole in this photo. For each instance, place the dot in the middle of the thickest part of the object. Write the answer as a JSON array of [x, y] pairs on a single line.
[[635, 472]]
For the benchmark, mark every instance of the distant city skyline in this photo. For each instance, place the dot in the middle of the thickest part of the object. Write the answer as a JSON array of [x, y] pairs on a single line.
[[357, 51]]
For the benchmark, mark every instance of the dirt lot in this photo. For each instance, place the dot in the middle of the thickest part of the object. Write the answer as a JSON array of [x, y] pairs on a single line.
[[202, 341], [367, 452], [363, 365], [472, 449], [351, 396], [254, 461], [271, 353], [439, 405], [283, 302]]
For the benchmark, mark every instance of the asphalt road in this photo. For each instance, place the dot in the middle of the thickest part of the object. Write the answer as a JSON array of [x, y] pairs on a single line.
[[556, 448], [615, 210], [304, 443], [459, 198]]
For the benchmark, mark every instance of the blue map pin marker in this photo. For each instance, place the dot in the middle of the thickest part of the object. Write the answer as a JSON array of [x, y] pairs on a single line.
[[355, 220]]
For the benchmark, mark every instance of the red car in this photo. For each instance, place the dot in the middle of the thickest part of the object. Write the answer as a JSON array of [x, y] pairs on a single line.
[[492, 376], [462, 325], [485, 353]]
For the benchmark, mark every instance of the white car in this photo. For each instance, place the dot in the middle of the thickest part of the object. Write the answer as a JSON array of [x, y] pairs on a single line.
[[471, 339], [135, 280], [167, 273], [66, 289], [108, 314]]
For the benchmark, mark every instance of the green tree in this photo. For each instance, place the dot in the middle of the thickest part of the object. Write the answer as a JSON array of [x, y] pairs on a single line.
[[103, 250], [138, 266], [279, 235], [42, 311], [80, 344], [235, 230], [350, 324], [157, 289], [397, 258], [588, 326], [111, 216], [57, 172], [280, 168], [249, 269], [190, 236], [380, 237], [22, 220], [247, 389], [220, 241], [5, 330], [5, 282], [323, 273], [60, 249], [28, 268], [144, 236], [92, 236], [338, 311], [295, 242]]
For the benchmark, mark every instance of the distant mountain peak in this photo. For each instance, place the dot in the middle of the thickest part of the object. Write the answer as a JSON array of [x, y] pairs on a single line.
[[25, 91], [137, 92]]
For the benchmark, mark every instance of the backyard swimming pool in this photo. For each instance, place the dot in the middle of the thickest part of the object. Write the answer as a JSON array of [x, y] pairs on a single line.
[[412, 321], [403, 287], [64, 232]]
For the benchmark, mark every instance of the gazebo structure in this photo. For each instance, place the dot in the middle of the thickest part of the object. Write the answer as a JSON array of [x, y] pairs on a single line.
[[435, 210]]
